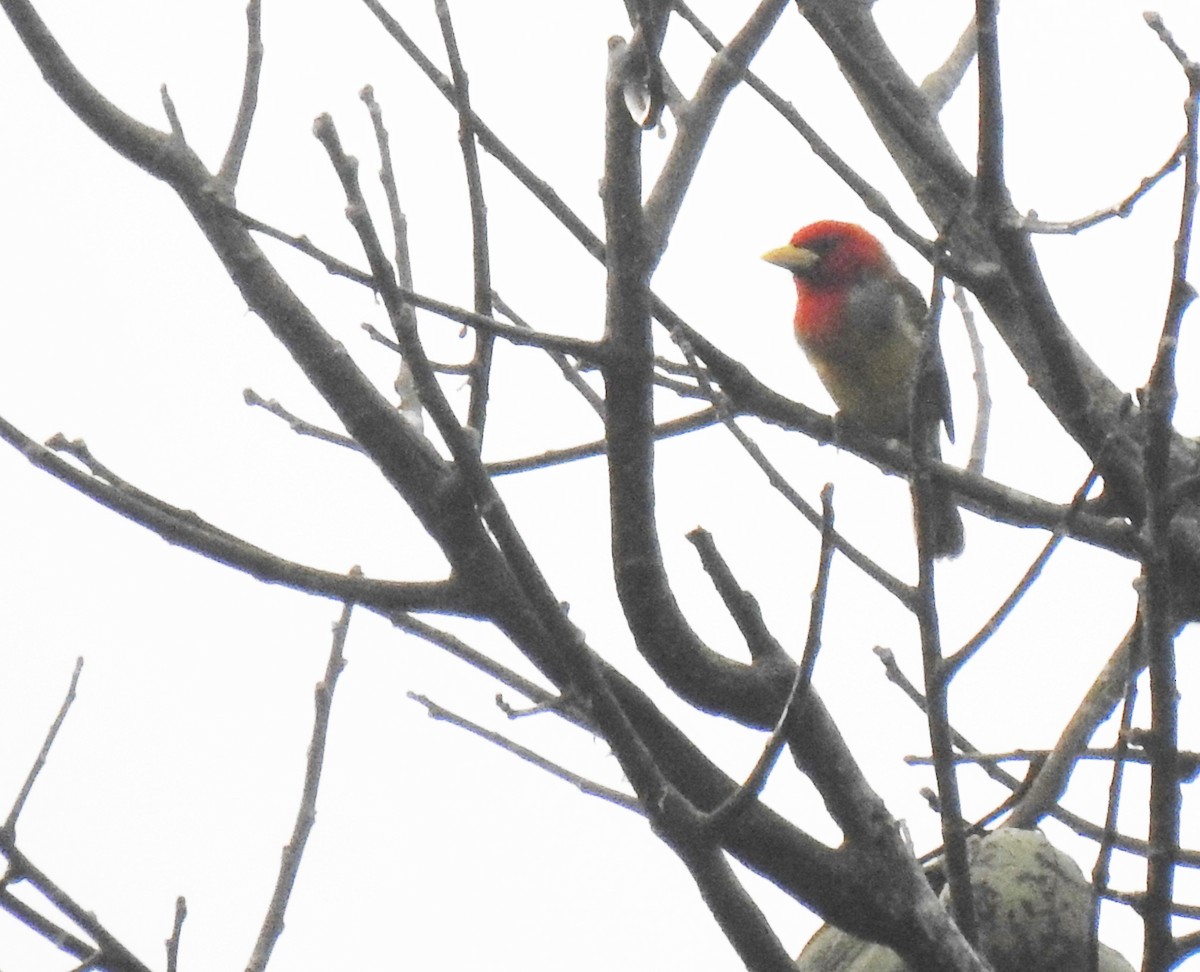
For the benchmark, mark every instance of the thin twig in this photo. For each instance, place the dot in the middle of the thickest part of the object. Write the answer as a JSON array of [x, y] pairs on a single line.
[[481, 363], [1031, 224], [387, 177], [1136, 900], [231, 165], [1155, 22], [569, 368], [176, 934], [1102, 696], [929, 408], [405, 385], [554, 457], [923, 437], [10, 824], [959, 658], [1122, 752], [729, 810], [983, 398], [584, 785], [109, 954], [1186, 945], [299, 425], [872, 198], [816, 614], [293, 852], [463, 446], [540, 189], [506, 676], [171, 113], [302, 244], [1100, 870], [53, 933], [186, 529], [579, 347], [725, 411], [740, 603], [1037, 801], [683, 389], [78, 449], [723, 74], [573, 659]]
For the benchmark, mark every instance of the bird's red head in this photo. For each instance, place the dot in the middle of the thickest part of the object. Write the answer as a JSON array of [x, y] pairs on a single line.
[[831, 263], [842, 251]]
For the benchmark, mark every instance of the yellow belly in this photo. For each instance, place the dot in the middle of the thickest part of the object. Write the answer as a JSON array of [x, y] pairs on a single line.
[[870, 379]]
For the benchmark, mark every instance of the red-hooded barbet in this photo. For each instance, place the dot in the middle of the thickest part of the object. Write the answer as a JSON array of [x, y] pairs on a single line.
[[861, 323]]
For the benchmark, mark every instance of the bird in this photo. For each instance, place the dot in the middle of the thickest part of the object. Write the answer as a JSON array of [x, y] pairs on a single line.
[[860, 322]]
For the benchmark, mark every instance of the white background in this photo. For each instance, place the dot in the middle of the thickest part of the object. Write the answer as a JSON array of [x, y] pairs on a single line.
[[179, 769]]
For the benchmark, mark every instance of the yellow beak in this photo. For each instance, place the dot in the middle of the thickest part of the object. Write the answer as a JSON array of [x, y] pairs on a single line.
[[792, 258]]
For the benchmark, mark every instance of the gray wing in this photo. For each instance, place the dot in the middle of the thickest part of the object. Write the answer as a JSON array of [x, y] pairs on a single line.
[[918, 310]]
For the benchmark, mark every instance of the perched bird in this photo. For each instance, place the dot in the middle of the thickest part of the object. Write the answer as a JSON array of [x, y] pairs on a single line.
[[860, 324]]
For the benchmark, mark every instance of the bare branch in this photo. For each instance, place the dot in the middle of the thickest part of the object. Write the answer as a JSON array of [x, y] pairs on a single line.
[[584, 785], [926, 503], [719, 818], [983, 398], [387, 177], [989, 178], [172, 114], [1032, 224], [740, 603], [231, 165], [10, 824], [513, 333], [186, 529], [872, 198], [1022, 818], [1155, 23], [1100, 870], [816, 614], [569, 369], [540, 189], [735, 911], [159, 153], [293, 852], [683, 337], [176, 934], [481, 364], [660, 630], [696, 123], [553, 457], [940, 85], [967, 651], [109, 953], [489, 666], [299, 425], [1156, 609], [304, 245], [62, 939]]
